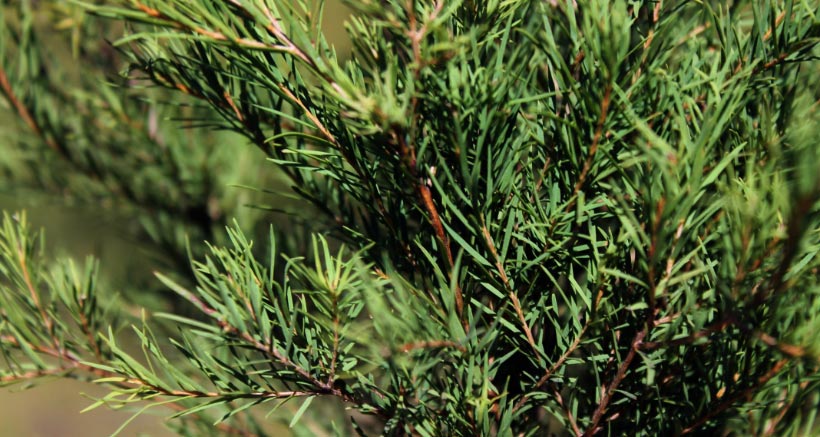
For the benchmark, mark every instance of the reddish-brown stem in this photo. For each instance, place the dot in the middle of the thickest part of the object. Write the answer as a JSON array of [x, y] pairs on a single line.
[[785, 406], [408, 154], [89, 334], [570, 417], [354, 164], [730, 401], [71, 363], [35, 297], [335, 353], [649, 38], [24, 114], [593, 150], [785, 348], [311, 116], [572, 348], [513, 295], [606, 395], [268, 348], [33, 374], [653, 249], [218, 36], [431, 344], [777, 22], [596, 139], [435, 221], [705, 332]]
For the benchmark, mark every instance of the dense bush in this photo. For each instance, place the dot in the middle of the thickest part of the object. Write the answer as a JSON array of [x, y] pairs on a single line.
[[523, 217]]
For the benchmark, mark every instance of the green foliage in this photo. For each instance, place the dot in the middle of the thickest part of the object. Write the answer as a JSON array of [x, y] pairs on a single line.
[[528, 216], [85, 134]]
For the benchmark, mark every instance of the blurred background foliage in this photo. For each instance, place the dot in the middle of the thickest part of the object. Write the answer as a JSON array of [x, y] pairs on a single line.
[[93, 169]]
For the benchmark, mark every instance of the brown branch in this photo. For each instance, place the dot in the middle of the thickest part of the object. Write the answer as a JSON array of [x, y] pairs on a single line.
[[513, 295], [590, 156], [227, 96], [268, 348], [541, 175], [572, 347], [90, 336], [771, 425], [350, 159], [35, 297], [218, 36], [647, 43], [274, 27], [606, 395], [408, 155], [705, 332], [312, 117], [196, 394], [653, 248], [560, 362], [572, 422], [730, 401], [695, 32], [23, 113], [228, 103], [71, 363], [785, 407], [777, 22], [416, 34], [431, 344], [792, 351], [258, 345], [596, 138], [666, 319], [335, 354], [795, 231], [772, 62], [33, 374], [435, 221], [787, 349]]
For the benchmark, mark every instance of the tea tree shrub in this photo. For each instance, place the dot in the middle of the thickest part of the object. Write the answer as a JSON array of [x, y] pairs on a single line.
[[525, 217]]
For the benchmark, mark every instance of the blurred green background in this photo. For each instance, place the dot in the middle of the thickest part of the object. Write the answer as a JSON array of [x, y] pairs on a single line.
[[79, 228]]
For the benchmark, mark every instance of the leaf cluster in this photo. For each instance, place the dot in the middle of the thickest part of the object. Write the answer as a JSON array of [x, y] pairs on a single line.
[[583, 217]]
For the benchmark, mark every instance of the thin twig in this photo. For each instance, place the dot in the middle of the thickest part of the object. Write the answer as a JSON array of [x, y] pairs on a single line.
[[564, 356], [647, 43], [416, 34], [335, 353], [408, 155], [33, 374], [596, 139], [606, 395], [431, 344], [570, 417], [24, 113], [513, 295], [324, 387], [215, 35], [35, 297], [705, 332], [71, 363], [653, 248], [730, 401], [777, 22]]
